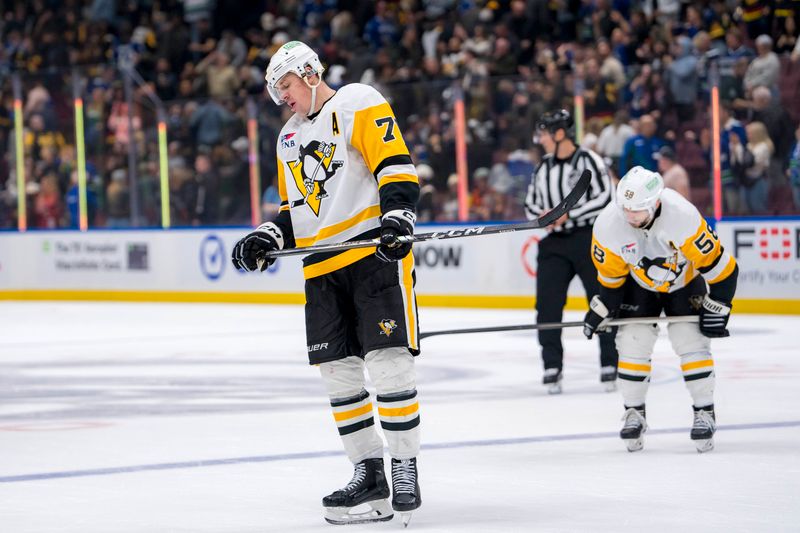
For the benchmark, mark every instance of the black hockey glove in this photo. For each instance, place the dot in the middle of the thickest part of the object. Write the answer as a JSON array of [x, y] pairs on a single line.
[[596, 317], [254, 246], [714, 317], [394, 224]]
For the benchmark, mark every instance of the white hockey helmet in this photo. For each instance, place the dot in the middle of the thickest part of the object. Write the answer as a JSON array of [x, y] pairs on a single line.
[[296, 57], [639, 190]]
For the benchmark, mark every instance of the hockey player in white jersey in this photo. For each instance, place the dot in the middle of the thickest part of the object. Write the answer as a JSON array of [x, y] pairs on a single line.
[[345, 173], [654, 252]]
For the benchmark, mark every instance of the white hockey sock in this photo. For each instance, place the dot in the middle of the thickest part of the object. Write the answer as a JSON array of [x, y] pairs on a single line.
[[633, 379], [356, 425], [698, 374], [399, 413], [392, 372]]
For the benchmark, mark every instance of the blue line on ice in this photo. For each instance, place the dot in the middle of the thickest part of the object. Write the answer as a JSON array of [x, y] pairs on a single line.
[[315, 455]]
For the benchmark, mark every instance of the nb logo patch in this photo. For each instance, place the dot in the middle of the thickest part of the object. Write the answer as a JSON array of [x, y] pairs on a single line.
[[287, 141]]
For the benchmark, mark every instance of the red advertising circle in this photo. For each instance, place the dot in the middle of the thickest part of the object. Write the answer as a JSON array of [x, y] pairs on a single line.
[[529, 268]]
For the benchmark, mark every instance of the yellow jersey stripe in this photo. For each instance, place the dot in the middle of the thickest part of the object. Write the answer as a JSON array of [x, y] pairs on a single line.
[[282, 183], [283, 208], [408, 287], [697, 364], [336, 262], [373, 211], [726, 271], [352, 413], [611, 284], [399, 411], [633, 366], [395, 178]]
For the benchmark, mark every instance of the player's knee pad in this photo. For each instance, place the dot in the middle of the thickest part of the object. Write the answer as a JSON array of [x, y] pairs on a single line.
[[636, 341], [391, 370], [343, 378], [686, 338]]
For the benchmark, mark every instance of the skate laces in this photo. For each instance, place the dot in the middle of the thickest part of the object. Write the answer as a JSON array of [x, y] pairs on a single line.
[[359, 476], [633, 418], [704, 420], [404, 476]]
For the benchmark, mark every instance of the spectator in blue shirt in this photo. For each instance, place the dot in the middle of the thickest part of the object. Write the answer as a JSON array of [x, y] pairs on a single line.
[[73, 203], [729, 126], [794, 169], [639, 149]]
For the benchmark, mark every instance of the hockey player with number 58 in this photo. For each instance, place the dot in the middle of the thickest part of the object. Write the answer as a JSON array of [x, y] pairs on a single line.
[[654, 252]]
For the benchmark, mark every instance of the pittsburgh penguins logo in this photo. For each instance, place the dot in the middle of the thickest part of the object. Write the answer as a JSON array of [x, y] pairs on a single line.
[[662, 269], [387, 326], [311, 171]]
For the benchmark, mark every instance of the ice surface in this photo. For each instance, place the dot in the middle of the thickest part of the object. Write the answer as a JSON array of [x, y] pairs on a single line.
[[206, 418]]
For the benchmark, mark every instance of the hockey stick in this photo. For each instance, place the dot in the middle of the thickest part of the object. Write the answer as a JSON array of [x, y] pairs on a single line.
[[561, 325], [545, 220]]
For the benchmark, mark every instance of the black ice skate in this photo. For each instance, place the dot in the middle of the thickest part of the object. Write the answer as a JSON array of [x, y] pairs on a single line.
[[633, 430], [608, 378], [552, 380], [705, 424], [405, 488], [369, 487]]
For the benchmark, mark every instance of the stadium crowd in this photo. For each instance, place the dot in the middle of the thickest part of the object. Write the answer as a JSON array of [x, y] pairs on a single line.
[[644, 68]]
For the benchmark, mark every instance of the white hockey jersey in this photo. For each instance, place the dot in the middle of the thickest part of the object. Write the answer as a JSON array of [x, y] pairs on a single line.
[[339, 171], [664, 258]]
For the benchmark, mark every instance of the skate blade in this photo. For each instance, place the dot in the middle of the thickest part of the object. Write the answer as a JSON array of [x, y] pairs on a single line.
[[554, 388], [610, 386], [405, 516], [374, 511], [634, 445], [704, 445]]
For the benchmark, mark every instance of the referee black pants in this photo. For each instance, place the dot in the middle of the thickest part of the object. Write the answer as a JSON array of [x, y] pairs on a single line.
[[562, 256]]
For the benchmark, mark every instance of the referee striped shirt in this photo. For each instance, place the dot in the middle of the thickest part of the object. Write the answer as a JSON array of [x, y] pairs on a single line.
[[555, 178]]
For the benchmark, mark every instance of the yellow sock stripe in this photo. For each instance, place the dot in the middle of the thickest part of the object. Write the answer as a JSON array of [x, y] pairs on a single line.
[[399, 411], [697, 364], [352, 413], [633, 366]]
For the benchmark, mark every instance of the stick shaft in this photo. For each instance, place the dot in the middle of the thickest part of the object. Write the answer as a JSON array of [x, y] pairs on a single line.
[[561, 325], [546, 219]]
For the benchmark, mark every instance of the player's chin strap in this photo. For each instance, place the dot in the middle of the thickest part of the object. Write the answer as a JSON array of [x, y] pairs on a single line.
[[313, 88]]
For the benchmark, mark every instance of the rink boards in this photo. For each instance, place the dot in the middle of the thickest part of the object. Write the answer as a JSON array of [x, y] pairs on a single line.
[[193, 265]]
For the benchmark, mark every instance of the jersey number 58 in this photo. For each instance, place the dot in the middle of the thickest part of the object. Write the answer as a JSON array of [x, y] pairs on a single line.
[[705, 242]]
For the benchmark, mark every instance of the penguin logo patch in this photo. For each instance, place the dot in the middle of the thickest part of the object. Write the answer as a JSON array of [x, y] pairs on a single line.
[[387, 326], [311, 171]]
